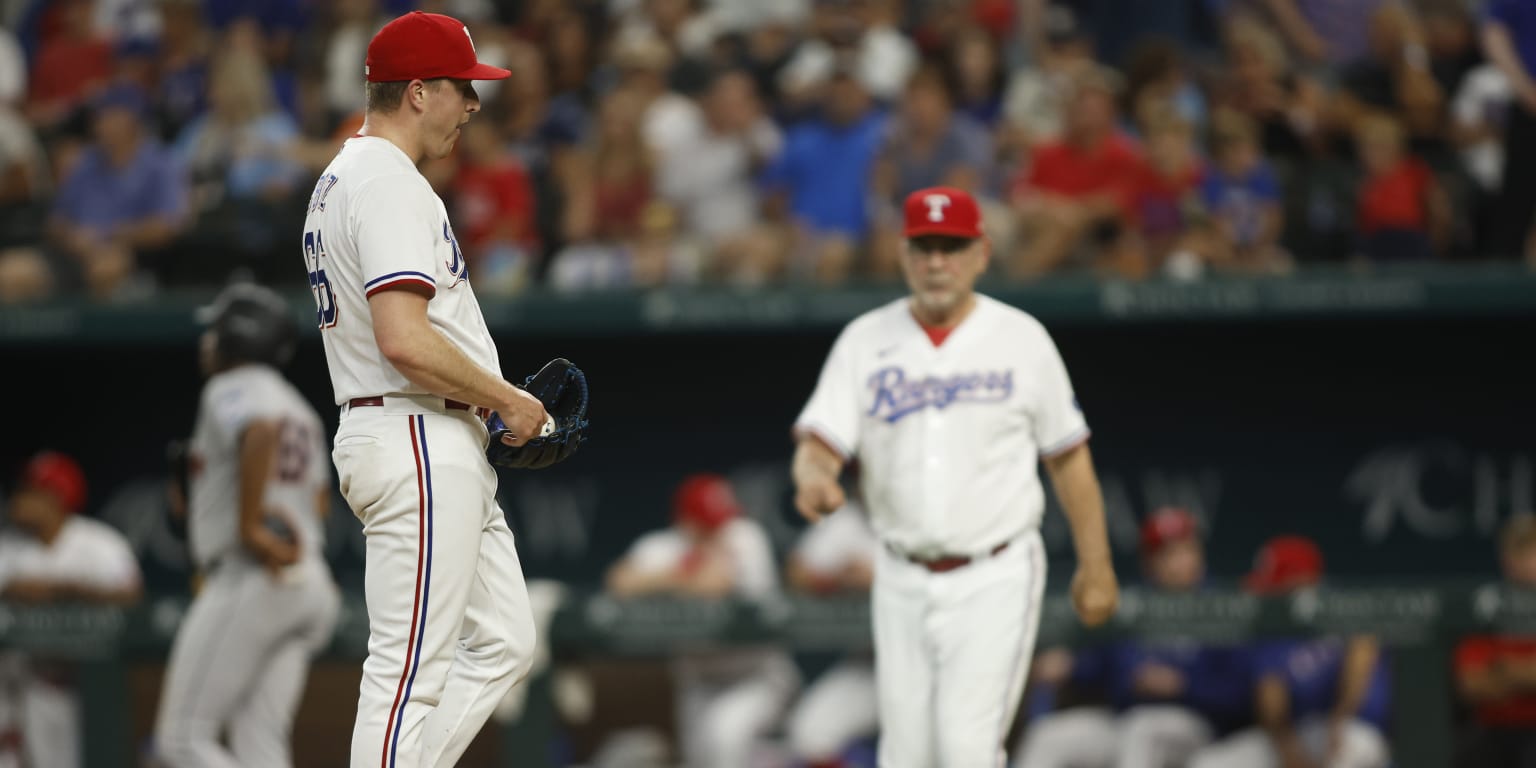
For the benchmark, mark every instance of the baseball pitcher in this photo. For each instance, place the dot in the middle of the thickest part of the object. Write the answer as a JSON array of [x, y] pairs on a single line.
[[415, 372], [948, 399]]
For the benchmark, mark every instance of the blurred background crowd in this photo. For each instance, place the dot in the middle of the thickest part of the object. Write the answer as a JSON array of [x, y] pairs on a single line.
[[152, 144], [154, 149]]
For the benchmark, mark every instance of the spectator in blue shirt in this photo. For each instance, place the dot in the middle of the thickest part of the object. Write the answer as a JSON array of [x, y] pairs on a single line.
[[241, 149], [1320, 702], [823, 177], [1242, 198], [1509, 41], [126, 196]]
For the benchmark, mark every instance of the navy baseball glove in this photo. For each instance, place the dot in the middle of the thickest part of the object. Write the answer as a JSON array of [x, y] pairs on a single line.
[[562, 388]]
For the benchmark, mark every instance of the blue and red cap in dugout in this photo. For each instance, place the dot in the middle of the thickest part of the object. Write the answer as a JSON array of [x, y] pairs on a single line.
[[946, 211], [56, 474], [423, 46]]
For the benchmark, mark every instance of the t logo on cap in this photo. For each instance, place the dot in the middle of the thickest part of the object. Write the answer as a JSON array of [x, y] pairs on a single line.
[[948, 211], [936, 205]]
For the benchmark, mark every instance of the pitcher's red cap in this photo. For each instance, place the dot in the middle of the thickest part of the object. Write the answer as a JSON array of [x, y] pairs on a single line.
[[423, 46], [942, 211]]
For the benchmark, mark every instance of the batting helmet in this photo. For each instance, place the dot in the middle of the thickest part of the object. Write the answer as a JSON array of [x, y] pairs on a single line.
[[250, 324], [705, 500]]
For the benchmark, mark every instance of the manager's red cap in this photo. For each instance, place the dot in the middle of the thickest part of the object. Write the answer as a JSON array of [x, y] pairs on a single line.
[[59, 475], [422, 46], [942, 211]]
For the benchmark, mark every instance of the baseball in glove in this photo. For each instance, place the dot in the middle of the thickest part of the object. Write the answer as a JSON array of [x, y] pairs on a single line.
[[562, 388]]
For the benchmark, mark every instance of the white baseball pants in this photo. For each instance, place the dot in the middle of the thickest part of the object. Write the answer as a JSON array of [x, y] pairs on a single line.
[[450, 628], [44, 714], [834, 711], [239, 662], [1362, 746], [951, 653]]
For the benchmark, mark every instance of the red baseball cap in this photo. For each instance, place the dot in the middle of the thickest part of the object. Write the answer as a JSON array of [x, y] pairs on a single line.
[[942, 211], [1166, 525], [55, 473], [705, 500], [1284, 563], [423, 46]]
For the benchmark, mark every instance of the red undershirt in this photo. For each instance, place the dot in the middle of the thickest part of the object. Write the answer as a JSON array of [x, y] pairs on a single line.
[[936, 335]]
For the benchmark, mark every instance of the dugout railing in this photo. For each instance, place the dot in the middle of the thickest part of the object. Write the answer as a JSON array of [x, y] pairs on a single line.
[[1419, 626]]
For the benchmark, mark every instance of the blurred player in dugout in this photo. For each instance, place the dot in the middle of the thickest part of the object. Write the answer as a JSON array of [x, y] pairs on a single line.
[[1319, 703], [834, 557], [1496, 672], [1164, 700], [726, 699], [50, 553]]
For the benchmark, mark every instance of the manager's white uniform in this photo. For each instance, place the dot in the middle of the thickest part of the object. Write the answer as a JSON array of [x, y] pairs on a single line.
[[242, 653], [450, 627], [948, 439]]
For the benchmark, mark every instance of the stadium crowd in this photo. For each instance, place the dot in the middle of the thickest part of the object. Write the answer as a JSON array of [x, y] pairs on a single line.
[[153, 144]]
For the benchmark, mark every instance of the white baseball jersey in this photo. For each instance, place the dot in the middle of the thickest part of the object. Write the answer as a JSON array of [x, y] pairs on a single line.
[[838, 541], [231, 401], [87, 553], [374, 222], [948, 437], [747, 543]]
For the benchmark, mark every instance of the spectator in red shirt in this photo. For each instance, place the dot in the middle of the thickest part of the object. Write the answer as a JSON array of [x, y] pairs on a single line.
[[1496, 674], [493, 205], [1080, 189], [1402, 213], [70, 66]]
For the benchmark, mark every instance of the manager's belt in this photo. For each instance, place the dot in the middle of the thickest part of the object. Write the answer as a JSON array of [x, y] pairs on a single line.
[[452, 405], [946, 563]]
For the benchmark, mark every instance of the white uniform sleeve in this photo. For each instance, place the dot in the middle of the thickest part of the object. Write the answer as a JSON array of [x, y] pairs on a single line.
[[396, 234], [113, 565], [1059, 423], [833, 410], [656, 552], [753, 558]]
